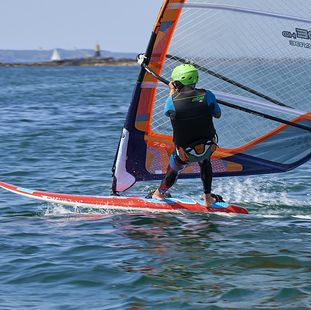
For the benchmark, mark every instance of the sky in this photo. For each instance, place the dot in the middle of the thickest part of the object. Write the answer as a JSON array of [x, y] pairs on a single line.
[[117, 25]]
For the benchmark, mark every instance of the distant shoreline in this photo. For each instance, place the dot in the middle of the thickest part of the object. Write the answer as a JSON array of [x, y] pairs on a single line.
[[91, 61]]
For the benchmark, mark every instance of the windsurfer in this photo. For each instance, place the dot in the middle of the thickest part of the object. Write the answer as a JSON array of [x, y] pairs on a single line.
[[191, 111]]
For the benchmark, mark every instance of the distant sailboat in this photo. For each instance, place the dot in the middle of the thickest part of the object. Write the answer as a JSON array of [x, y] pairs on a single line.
[[55, 56]]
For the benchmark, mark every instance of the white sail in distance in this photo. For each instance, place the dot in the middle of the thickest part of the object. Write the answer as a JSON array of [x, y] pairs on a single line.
[[55, 55]]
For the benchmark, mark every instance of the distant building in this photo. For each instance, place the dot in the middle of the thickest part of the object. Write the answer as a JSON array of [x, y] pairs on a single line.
[[55, 55], [97, 51]]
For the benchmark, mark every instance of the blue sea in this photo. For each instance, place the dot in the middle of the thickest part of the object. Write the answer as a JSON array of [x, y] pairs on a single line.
[[59, 131]]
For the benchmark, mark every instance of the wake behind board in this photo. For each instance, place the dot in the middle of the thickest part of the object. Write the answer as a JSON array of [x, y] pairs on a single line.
[[129, 203]]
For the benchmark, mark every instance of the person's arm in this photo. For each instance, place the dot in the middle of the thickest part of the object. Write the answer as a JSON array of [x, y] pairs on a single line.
[[211, 100], [217, 110], [169, 108]]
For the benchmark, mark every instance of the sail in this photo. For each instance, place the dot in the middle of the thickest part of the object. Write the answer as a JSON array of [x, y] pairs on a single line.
[[55, 55], [254, 54]]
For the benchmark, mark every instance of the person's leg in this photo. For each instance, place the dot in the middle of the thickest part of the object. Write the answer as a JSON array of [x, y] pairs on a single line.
[[206, 177], [173, 169]]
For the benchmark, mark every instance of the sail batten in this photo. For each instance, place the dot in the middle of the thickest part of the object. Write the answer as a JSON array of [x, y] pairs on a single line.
[[265, 47], [238, 10]]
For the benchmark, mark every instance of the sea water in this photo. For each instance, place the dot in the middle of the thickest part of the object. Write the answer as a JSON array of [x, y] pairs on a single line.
[[59, 132]]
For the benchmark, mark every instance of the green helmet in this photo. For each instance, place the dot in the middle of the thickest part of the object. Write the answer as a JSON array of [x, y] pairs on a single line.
[[186, 74]]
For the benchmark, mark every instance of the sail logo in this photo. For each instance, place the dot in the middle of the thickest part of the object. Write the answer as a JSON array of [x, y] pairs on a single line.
[[298, 34]]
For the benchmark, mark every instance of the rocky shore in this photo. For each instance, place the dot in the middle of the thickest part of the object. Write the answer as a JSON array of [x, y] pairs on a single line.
[[91, 61]]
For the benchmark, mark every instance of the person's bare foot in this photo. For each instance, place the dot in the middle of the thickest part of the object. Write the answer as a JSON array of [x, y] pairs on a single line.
[[208, 200], [157, 195]]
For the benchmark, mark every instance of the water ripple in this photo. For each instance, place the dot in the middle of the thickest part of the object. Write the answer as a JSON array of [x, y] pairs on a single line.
[[59, 131]]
